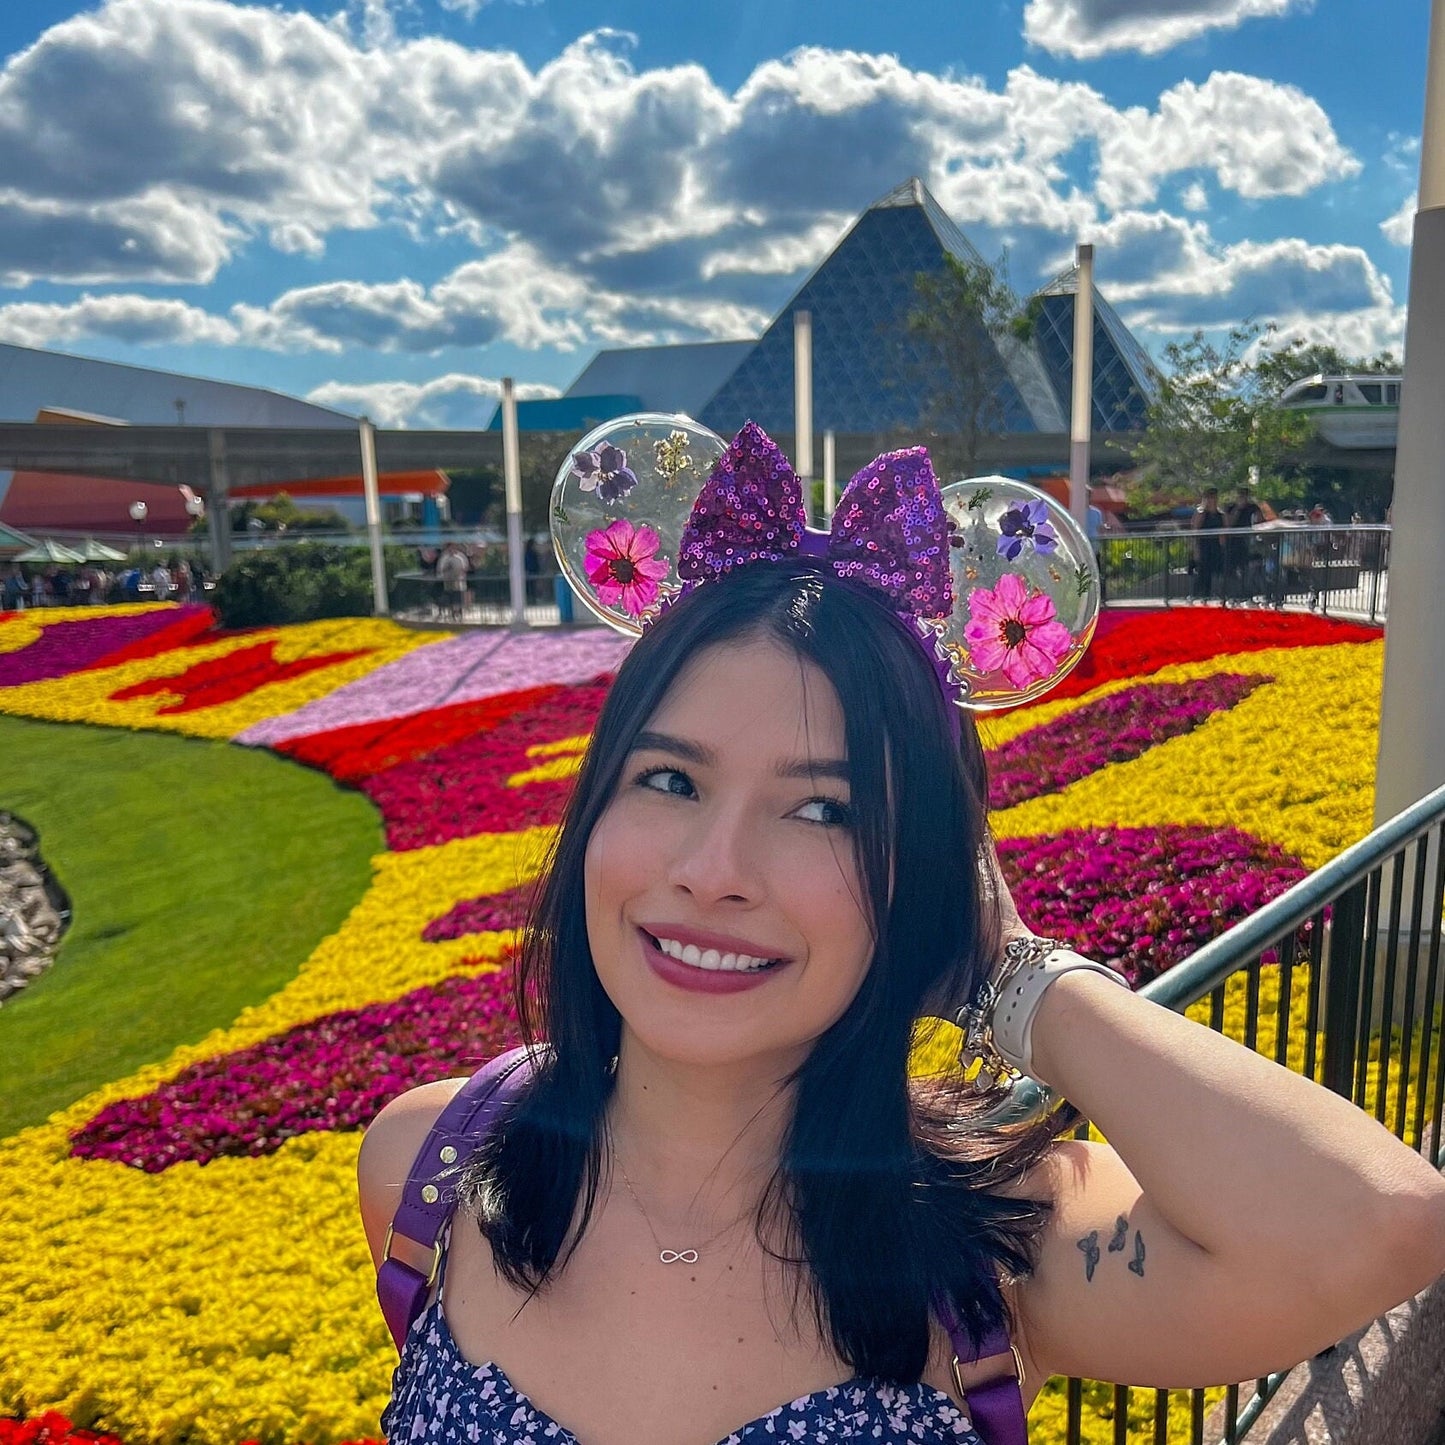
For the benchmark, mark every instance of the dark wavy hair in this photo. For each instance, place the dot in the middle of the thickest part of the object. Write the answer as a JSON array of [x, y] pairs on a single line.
[[885, 1189]]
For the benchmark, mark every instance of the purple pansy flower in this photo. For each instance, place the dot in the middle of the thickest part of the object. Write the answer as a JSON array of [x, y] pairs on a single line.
[[605, 472], [1027, 522]]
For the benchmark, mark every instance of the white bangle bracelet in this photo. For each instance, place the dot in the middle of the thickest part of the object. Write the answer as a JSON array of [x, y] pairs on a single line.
[[1013, 1014]]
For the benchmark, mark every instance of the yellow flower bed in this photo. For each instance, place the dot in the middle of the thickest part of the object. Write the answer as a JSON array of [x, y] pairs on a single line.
[[1293, 764], [87, 696]]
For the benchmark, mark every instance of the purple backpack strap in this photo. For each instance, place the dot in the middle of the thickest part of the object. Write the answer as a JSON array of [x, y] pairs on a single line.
[[996, 1406], [430, 1193]]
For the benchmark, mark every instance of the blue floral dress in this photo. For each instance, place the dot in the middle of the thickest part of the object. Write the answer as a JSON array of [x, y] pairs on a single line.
[[439, 1397]]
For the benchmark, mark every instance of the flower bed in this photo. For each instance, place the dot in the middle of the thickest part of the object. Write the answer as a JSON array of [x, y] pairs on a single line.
[[96, 636], [1116, 729], [336, 1072], [193, 1221], [1142, 898]]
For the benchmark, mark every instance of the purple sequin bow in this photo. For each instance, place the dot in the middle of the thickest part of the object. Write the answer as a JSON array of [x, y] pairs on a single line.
[[890, 532]]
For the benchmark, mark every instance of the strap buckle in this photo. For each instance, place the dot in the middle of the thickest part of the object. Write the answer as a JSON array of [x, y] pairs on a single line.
[[436, 1256], [1018, 1369]]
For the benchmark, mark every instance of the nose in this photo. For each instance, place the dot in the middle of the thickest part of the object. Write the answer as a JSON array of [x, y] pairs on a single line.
[[715, 859]]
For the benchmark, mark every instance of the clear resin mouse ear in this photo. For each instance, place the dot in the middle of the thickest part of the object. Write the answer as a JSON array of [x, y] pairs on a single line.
[[619, 505], [1026, 592]]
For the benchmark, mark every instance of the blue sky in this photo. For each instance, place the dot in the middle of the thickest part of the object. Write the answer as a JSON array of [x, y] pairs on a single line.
[[387, 205]]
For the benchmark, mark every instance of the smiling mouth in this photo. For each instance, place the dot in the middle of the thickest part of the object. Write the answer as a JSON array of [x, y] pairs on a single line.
[[710, 959]]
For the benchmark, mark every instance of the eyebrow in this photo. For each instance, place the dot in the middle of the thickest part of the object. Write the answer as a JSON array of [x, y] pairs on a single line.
[[692, 752]]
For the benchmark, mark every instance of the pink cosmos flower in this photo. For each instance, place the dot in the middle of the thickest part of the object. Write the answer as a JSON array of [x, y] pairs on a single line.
[[1013, 633], [623, 565]]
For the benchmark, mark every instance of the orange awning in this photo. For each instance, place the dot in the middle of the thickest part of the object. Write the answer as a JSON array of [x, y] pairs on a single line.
[[391, 484]]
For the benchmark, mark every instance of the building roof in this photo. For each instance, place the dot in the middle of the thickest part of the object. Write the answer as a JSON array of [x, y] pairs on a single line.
[[664, 378], [13, 541], [571, 413], [869, 373], [33, 381], [1125, 377]]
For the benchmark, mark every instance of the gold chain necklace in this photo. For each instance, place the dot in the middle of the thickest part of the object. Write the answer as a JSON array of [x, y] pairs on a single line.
[[673, 1256]]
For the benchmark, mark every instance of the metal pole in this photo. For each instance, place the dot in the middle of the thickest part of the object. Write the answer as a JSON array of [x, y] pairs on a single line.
[[373, 517], [218, 505], [1412, 709], [803, 404], [1082, 422], [512, 476], [830, 473]]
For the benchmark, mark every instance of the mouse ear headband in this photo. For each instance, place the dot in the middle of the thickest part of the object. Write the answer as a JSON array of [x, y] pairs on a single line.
[[994, 578]]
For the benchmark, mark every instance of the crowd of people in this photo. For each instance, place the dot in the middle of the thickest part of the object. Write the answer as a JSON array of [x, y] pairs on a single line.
[[1227, 557], [176, 580]]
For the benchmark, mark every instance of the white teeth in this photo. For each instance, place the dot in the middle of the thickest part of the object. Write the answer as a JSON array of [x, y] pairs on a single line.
[[710, 959]]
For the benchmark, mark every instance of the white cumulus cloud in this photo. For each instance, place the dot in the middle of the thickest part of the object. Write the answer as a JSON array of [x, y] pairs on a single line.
[[140, 320], [1400, 228], [456, 400], [1086, 29]]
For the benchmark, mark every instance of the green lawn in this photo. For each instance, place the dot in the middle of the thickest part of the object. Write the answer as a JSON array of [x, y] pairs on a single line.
[[201, 875]]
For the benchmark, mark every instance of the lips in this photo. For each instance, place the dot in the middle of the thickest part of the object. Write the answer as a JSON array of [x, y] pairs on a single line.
[[684, 962]]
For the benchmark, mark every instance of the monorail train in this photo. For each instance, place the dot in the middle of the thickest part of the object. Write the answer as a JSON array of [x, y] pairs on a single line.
[[1352, 409]]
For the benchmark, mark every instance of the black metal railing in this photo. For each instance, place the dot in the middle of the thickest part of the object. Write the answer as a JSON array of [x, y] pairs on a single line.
[[1341, 570], [1340, 980]]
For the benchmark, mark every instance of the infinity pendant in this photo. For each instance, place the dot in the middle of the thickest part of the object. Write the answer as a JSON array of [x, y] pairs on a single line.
[[675, 1256]]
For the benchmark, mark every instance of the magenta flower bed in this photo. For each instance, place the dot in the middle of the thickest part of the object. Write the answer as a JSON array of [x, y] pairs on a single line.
[[487, 913], [1116, 729], [1143, 898], [65, 647], [335, 1072]]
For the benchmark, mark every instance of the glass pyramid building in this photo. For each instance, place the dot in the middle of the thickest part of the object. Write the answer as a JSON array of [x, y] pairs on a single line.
[[870, 377]]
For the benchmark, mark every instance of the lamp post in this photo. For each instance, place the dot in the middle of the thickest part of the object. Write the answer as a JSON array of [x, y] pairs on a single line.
[[195, 510], [138, 513]]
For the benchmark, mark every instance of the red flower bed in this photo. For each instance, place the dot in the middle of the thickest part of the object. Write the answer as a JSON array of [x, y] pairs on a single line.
[[51, 1428], [351, 753], [1046, 759], [224, 679], [1142, 898], [335, 1072], [461, 789], [1134, 644]]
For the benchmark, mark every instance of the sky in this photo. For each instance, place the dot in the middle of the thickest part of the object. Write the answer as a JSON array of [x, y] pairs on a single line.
[[387, 205]]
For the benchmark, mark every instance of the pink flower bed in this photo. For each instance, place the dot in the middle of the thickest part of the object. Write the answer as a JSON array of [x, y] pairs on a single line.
[[468, 668], [335, 1072], [1119, 727], [1142, 898]]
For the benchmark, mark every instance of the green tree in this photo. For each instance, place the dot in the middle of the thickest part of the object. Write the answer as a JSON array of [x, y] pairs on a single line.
[[1215, 423], [281, 514], [966, 318]]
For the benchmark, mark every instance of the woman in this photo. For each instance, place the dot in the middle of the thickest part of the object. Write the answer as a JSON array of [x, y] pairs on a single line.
[[1208, 555], [720, 1191]]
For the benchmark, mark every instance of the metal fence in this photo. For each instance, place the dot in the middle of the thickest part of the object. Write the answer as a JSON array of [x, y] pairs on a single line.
[[1340, 980], [1339, 570]]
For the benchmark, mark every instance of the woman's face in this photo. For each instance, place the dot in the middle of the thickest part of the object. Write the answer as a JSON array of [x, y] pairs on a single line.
[[725, 911]]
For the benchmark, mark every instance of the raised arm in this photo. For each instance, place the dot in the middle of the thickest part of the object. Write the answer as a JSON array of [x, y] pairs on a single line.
[[1240, 1219]]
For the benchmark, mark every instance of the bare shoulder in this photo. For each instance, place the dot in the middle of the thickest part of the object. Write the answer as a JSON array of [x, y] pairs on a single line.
[[389, 1148]]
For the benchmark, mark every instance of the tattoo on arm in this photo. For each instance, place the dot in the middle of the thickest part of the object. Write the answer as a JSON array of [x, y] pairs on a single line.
[[1089, 1244], [1137, 1263], [1121, 1235]]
